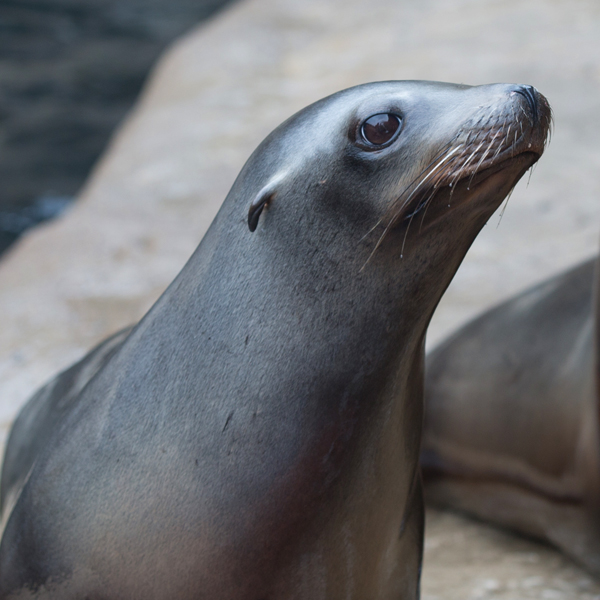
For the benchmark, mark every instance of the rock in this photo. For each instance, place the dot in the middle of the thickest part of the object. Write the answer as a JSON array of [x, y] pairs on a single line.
[[212, 99], [466, 560]]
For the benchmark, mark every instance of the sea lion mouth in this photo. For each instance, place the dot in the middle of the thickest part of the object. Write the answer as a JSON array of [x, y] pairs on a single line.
[[528, 158], [471, 181], [454, 176], [458, 191]]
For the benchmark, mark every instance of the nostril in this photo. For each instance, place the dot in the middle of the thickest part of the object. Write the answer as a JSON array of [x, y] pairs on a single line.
[[530, 95]]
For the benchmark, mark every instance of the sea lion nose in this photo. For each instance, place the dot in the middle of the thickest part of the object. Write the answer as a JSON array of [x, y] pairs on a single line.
[[530, 94]]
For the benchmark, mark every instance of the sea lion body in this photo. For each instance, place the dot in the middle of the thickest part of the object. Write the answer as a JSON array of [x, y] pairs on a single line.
[[511, 428], [256, 435]]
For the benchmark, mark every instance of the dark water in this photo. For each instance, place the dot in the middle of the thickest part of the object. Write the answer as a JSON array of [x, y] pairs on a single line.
[[14, 222], [69, 71]]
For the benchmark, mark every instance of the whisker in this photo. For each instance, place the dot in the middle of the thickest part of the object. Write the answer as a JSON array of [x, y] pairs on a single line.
[[426, 206], [531, 170], [441, 155], [528, 117], [505, 204], [444, 159], [362, 239], [427, 201], [500, 147], [461, 170], [482, 159], [418, 181]]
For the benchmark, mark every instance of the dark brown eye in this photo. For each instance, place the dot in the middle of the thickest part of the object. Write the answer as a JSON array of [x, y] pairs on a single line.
[[381, 128]]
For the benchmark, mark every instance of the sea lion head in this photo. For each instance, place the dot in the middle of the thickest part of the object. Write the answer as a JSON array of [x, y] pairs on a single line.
[[398, 143], [404, 168]]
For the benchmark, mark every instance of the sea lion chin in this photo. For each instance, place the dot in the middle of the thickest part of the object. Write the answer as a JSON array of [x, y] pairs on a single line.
[[256, 435]]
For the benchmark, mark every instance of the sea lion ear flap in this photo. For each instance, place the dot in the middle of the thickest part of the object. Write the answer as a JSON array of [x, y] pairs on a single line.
[[256, 208], [262, 199]]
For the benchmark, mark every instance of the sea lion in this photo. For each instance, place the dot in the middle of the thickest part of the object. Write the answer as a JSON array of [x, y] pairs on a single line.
[[256, 435], [511, 428]]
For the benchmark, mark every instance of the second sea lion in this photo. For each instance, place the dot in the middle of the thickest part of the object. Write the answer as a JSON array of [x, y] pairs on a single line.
[[512, 416]]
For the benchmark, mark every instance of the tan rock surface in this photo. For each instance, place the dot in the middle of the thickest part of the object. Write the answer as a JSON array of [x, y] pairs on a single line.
[[465, 560], [210, 102]]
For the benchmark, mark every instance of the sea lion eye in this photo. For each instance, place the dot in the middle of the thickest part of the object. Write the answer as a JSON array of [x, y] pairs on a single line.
[[380, 128]]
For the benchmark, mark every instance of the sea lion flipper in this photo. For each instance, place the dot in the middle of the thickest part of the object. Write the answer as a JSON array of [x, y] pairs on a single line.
[[40, 416]]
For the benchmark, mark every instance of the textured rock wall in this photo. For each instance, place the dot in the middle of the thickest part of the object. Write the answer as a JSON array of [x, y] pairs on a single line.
[[211, 100]]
